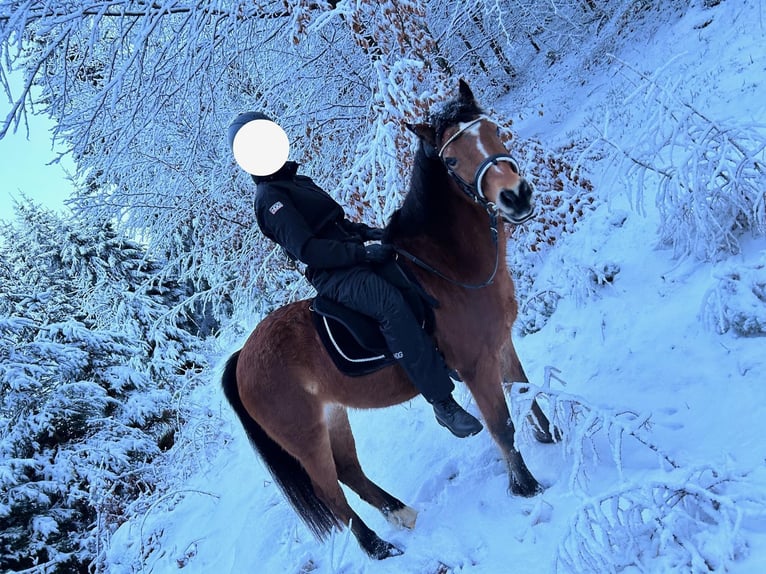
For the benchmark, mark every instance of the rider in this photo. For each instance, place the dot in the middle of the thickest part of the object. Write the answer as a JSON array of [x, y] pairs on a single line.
[[297, 214]]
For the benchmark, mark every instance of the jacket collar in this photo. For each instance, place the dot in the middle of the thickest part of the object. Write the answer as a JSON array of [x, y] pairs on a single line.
[[286, 172]]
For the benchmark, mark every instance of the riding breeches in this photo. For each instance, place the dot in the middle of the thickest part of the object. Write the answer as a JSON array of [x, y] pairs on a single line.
[[364, 291]]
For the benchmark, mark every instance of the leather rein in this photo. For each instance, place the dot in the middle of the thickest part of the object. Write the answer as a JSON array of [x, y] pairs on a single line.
[[475, 192]]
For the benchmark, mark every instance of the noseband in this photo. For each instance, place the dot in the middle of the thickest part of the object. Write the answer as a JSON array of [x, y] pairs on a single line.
[[473, 189]]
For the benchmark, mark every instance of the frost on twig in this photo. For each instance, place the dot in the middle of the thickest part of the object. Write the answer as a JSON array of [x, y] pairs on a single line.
[[691, 521], [737, 302], [709, 174], [564, 198], [583, 428], [536, 310]]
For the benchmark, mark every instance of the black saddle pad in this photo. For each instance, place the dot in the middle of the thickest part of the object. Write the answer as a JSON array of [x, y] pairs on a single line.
[[353, 340]]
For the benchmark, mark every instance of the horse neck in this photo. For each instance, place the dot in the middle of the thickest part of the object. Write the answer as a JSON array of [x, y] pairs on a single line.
[[437, 220]]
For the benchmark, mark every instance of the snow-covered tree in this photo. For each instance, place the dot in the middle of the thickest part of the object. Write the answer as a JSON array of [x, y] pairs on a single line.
[[91, 361], [142, 93]]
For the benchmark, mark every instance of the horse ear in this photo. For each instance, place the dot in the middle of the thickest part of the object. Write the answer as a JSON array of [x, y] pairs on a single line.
[[466, 94], [424, 132]]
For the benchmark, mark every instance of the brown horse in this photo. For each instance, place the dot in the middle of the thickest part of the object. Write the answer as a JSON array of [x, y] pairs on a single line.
[[292, 400]]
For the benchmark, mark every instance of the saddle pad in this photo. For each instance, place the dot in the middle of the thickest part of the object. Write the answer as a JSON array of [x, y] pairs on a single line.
[[352, 340]]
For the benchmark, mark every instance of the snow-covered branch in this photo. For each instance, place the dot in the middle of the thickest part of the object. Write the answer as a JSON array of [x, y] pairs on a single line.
[[709, 174], [688, 517], [691, 521], [581, 426]]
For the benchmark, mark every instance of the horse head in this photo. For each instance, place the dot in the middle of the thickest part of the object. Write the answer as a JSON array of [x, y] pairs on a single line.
[[469, 146]]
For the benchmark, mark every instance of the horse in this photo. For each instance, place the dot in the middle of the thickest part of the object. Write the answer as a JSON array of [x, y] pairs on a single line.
[[292, 400]]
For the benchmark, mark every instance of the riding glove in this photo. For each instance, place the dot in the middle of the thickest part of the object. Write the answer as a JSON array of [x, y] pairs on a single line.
[[378, 252], [373, 234]]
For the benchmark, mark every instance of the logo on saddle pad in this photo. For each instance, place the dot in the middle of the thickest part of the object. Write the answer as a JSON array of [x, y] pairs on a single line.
[[398, 355], [276, 207]]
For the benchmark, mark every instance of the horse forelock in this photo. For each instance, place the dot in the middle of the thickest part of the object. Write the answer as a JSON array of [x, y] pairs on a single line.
[[451, 113]]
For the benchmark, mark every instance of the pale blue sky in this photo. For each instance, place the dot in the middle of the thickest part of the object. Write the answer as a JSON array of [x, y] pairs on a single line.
[[23, 166]]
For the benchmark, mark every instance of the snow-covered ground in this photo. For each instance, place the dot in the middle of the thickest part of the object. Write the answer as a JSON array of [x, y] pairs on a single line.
[[682, 493]]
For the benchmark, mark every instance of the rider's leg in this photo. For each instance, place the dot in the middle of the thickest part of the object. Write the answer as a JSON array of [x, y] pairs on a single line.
[[364, 291]]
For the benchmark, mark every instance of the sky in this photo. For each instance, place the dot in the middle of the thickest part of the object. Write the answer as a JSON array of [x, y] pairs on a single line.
[[23, 165]]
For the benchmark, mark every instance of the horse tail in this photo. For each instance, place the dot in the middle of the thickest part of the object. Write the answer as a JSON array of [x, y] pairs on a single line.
[[285, 469]]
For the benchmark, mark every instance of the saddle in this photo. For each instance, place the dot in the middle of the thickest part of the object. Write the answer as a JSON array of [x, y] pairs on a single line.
[[353, 340]]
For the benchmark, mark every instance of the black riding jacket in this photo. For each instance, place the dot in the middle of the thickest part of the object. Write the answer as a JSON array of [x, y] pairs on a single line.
[[309, 224]]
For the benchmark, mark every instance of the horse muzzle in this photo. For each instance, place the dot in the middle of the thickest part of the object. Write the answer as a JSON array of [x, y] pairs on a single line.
[[516, 205]]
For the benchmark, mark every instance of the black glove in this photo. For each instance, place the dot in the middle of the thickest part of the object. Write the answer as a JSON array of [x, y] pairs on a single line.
[[373, 234], [378, 252]]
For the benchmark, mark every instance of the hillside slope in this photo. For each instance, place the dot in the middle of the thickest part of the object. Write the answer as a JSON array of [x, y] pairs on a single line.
[[665, 416]]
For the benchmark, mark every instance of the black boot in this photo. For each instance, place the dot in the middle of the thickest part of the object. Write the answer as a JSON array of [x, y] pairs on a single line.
[[451, 415]]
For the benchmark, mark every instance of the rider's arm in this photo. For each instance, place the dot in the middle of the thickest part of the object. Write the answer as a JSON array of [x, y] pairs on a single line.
[[281, 221], [364, 231]]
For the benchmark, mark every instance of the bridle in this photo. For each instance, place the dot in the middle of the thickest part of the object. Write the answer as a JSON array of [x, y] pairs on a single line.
[[474, 191]]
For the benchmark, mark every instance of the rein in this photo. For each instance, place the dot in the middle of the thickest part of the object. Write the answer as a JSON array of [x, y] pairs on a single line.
[[474, 191], [492, 212]]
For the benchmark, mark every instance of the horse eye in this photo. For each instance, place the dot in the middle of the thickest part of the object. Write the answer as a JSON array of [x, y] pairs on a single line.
[[450, 161], [498, 131]]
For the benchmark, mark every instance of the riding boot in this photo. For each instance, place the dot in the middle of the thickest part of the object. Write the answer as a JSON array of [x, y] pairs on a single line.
[[426, 369], [451, 415]]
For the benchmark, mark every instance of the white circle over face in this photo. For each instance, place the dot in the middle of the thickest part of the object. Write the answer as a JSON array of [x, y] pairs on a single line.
[[261, 147]]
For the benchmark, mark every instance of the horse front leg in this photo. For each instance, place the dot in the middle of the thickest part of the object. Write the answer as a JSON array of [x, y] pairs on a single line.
[[488, 392], [513, 372]]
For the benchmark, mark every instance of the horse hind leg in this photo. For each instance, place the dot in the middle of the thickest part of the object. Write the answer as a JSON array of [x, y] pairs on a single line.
[[350, 472], [300, 460], [315, 455], [291, 478]]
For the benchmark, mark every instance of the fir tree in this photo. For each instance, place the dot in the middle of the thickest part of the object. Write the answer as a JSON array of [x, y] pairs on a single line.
[[91, 357]]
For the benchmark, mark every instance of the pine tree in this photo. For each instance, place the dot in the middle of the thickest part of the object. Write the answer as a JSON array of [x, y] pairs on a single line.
[[91, 357]]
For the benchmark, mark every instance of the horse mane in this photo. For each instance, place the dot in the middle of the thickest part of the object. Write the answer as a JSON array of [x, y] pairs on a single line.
[[420, 206], [423, 207]]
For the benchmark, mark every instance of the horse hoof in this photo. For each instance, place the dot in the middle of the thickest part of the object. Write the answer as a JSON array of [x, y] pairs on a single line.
[[547, 437], [527, 488], [543, 430], [385, 550]]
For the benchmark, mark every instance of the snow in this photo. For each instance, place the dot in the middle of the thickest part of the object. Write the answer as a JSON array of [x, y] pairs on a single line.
[[636, 349]]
